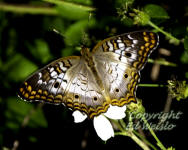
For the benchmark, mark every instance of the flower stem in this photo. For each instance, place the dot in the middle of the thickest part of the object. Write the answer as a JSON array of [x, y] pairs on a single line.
[[153, 134], [145, 140], [129, 133], [152, 85], [135, 138], [176, 41], [138, 141], [162, 62]]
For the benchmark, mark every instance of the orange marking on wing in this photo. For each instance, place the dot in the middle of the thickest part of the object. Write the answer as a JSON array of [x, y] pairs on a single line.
[[40, 91], [33, 92], [26, 95], [29, 88]]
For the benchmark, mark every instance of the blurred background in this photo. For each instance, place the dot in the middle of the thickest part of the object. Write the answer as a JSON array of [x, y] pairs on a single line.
[[34, 33]]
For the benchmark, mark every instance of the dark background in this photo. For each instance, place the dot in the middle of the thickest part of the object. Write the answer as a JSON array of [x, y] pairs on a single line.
[[28, 42]]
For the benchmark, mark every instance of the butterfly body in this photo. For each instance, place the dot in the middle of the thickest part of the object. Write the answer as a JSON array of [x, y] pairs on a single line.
[[90, 83]]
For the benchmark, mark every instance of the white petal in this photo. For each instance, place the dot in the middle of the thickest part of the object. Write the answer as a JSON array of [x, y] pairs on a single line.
[[103, 127], [78, 116], [115, 112]]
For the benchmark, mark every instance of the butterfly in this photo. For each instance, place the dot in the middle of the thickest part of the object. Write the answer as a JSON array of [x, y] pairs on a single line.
[[107, 75]]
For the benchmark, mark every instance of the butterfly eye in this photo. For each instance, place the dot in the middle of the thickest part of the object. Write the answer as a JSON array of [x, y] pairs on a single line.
[[76, 96], [128, 54], [126, 75], [117, 90], [56, 85], [95, 98]]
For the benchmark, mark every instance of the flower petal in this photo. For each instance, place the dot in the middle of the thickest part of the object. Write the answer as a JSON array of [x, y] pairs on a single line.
[[115, 112], [78, 116], [103, 127]]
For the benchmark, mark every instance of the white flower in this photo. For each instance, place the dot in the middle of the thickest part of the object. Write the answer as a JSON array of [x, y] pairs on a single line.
[[102, 125], [78, 116]]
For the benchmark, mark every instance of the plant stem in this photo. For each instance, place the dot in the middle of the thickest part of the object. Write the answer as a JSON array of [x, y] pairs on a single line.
[[152, 85], [28, 9], [138, 141], [145, 140], [70, 4], [177, 41], [134, 138], [129, 133], [153, 134], [162, 62]]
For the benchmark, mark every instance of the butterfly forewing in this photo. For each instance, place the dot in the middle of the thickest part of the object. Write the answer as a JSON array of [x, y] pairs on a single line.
[[133, 48], [65, 81], [49, 83]]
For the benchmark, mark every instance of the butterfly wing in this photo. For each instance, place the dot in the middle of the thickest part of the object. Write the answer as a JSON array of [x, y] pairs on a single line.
[[48, 82], [65, 81], [70, 81], [119, 60], [132, 49]]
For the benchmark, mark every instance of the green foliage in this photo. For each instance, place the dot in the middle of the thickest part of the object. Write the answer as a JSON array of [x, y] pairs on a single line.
[[23, 68], [24, 47], [40, 50], [178, 89], [184, 55], [75, 32], [186, 43], [141, 18], [156, 11], [74, 11], [17, 110]]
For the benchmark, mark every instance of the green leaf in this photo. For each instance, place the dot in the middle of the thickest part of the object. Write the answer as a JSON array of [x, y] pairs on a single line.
[[184, 57], [18, 67], [17, 110], [40, 50], [32, 139], [67, 51], [75, 32], [186, 75], [186, 43], [156, 11], [38, 119], [85, 2], [71, 10]]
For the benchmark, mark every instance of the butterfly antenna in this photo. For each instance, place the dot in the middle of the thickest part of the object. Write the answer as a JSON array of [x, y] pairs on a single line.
[[57, 32], [62, 35]]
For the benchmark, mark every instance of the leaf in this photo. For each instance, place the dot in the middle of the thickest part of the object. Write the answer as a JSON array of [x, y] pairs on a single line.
[[67, 51], [17, 110], [85, 2], [184, 57], [71, 10], [75, 32], [156, 11], [40, 50], [18, 67], [186, 43]]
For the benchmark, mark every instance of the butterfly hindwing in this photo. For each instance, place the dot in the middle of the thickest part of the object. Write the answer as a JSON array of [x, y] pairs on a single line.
[[120, 59], [119, 79]]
